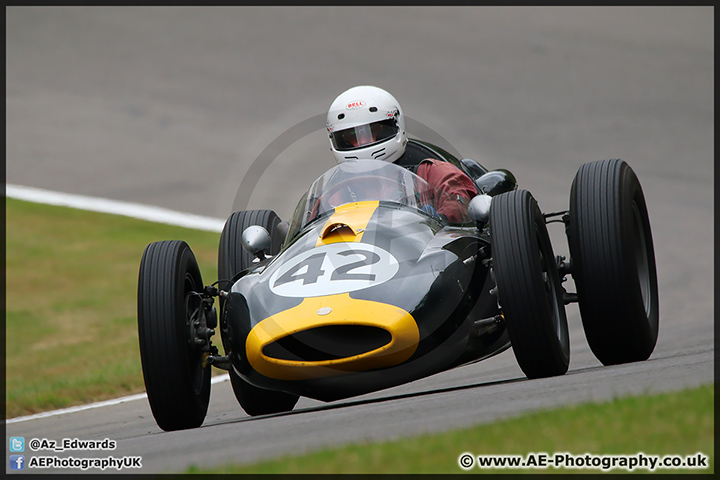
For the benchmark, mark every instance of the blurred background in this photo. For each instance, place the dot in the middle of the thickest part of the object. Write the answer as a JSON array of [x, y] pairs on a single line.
[[171, 105]]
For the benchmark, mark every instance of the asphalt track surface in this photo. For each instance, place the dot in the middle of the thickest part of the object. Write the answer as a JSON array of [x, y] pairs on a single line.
[[173, 106]]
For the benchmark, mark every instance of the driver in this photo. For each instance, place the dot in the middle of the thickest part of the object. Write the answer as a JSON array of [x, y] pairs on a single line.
[[366, 122]]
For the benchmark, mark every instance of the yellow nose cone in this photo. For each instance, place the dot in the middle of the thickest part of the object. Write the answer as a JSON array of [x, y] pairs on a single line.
[[389, 333]]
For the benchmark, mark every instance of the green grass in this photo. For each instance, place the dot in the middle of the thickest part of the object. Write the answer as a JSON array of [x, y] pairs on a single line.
[[678, 423], [71, 321]]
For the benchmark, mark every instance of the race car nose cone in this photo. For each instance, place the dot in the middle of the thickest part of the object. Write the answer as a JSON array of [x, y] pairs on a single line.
[[314, 340]]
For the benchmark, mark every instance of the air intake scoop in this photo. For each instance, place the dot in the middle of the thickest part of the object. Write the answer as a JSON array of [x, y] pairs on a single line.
[[347, 223], [329, 336]]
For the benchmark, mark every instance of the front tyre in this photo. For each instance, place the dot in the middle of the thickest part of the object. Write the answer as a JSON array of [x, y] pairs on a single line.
[[528, 285], [177, 384], [232, 259], [613, 262]]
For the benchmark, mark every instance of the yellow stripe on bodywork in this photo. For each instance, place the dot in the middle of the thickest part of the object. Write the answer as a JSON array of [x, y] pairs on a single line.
[[347, 223], [312, 313]]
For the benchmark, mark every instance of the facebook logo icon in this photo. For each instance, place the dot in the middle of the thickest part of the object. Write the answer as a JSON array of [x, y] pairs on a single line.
[[17, 462]]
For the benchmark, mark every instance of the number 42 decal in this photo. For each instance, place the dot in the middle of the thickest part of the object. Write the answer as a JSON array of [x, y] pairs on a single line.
[[332, 269]]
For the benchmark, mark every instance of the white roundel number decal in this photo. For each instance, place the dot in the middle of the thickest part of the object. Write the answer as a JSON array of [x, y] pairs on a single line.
[[332, 269]]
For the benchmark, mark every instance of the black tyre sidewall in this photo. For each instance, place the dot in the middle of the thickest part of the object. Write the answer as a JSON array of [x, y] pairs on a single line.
[[606, 204], [519, 234], [259, 401], [178, 389], [232, 259]]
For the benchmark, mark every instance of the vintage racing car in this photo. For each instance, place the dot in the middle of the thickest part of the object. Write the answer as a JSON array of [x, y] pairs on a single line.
[[370, 287]]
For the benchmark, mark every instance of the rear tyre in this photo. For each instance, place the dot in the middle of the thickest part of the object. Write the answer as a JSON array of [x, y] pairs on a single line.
[[177, 384], [233, 259], [613, 262], [529, 287]]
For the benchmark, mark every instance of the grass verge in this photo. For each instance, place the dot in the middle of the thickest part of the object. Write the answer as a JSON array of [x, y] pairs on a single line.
[[677, 423], [71, 321]]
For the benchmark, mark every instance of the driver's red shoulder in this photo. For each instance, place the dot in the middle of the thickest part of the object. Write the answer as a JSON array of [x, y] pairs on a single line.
[[446, 176]]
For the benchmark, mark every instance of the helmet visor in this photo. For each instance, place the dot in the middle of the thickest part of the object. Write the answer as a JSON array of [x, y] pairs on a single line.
[[364, 135]]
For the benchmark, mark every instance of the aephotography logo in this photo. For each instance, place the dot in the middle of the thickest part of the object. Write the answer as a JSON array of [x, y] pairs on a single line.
[[300, 130]]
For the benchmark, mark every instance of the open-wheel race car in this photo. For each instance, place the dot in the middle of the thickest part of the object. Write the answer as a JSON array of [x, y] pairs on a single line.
[[370, 287]]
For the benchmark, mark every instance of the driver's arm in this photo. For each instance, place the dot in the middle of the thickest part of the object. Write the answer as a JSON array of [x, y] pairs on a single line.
[[448, 178]]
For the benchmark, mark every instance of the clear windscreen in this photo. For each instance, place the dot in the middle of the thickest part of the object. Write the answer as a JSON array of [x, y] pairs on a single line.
[[370, 180]]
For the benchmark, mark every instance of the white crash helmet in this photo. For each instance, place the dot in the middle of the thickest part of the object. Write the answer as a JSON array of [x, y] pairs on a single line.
[[366, 123]]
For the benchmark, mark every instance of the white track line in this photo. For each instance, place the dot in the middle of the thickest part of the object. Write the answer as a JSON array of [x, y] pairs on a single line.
[[127, 209], [106, 403], [104, 205]]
